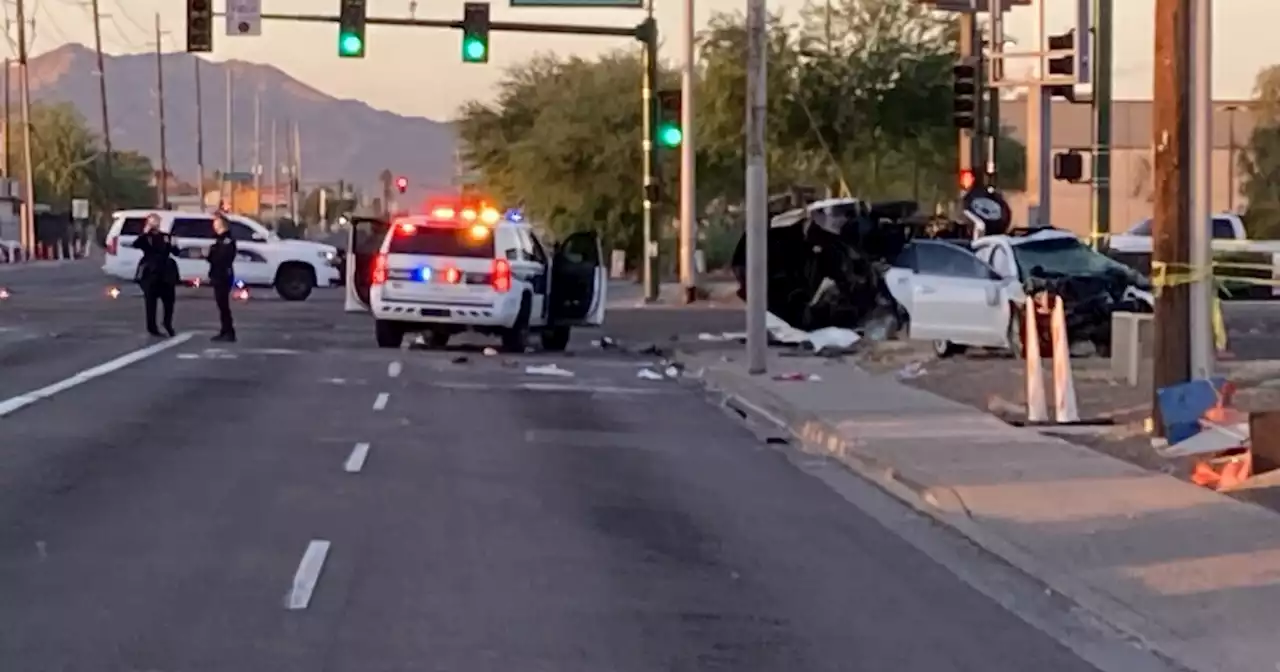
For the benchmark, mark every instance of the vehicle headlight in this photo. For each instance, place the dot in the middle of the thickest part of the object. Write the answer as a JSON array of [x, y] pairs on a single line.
[[329, 256]]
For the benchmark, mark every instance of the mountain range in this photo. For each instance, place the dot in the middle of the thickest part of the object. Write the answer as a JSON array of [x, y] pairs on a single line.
[[340, 139]]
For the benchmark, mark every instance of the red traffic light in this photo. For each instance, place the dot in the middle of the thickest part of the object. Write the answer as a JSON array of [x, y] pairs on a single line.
[[967, 180], [402, 183]]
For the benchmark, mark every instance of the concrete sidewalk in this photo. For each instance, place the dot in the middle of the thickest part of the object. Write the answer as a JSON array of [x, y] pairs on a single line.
[[1189, 573]]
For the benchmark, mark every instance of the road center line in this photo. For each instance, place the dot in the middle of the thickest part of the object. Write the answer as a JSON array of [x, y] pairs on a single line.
[[356, 461], [21, 401], [381, 402], [394, 369], [308, 574]]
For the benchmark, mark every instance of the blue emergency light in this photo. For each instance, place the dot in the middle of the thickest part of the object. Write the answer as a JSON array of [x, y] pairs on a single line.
[[514, 215]]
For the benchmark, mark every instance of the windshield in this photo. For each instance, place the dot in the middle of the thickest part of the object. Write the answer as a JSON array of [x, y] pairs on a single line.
[[1065, 256], [441, 241]]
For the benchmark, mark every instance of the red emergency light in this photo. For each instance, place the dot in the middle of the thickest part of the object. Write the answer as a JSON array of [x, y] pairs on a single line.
[[967, 180]]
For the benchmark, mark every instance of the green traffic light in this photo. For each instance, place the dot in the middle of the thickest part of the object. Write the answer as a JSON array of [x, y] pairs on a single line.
[[670, 136], [473, 49], [350, 44]]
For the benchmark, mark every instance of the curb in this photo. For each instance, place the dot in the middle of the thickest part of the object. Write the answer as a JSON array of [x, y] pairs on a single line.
[[944, 505]]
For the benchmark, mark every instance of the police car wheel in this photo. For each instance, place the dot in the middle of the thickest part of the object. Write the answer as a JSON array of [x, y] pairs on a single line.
[[943, 348], [295, 283], [388, 334], [516, 339], [555, 339]]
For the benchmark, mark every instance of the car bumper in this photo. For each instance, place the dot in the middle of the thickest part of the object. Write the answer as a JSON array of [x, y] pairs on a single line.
[[498, 314]]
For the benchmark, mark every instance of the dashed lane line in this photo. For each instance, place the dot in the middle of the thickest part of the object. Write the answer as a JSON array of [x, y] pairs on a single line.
[[381, 402], [308, 575], [355, 462]]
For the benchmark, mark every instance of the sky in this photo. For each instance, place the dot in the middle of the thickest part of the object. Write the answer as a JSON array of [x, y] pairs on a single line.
[[418, 71]]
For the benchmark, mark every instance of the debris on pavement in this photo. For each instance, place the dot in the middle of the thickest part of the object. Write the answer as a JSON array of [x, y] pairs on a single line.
[[460, 359], [805, 377], [490, 352], [648, 374], [911, 371], [724, 337], [548, 370], [4, 294], [604, 343]]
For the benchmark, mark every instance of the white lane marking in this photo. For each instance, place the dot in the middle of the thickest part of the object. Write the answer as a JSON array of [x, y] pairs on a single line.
[[356, 461], [553, 387], [308, 574], [394, 369], [21, 401], [381, 402]]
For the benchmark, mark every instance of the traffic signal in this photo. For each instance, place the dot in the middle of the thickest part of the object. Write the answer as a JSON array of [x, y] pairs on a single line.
[[967, 180], [402, 184], [475, 32], [199, 26], [1068, 166], [670, 134], [351, 18], [964, 88], [1063, 65]]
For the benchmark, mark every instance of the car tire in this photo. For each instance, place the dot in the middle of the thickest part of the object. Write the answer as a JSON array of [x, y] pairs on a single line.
[[438, 339], [294, 283], [943, 348], [555, 339], [388, 334], [516, 339]]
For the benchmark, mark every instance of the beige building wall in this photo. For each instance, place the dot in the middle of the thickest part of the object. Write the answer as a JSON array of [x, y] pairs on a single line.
[[1131, 168]]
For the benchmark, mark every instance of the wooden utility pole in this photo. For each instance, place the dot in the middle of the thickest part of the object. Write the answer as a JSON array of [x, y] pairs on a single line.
[[199, 133], [1171, 249], [29, 191], [164, 156], [8, 118], [297, 174], [257, 147], [275, 172], [102, 96]]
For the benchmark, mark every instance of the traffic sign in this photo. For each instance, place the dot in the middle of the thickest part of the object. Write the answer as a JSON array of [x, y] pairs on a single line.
[[596, 4], [244, 18]]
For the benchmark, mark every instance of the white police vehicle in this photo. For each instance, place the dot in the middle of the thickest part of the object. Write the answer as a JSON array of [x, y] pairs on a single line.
[[292, 267], [461, 268]]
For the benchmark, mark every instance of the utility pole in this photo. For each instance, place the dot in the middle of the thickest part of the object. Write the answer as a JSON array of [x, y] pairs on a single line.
[[652, 184], [1200, 211], [8, 119], [199, 132], [971, 144], [275, 171], [257, 147], [29, 191], [688, 188], [1103, 71], [1170, 244], [164, 155], [295, 182], [102, 97], [757, 187], [993, 93], [227, 186], [1039, 132]]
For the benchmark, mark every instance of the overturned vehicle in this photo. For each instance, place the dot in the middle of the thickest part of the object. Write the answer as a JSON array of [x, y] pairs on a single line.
[[882, 270]]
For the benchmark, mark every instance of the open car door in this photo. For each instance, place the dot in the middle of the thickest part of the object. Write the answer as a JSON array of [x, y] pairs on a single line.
[[364, 238], [578, 281]]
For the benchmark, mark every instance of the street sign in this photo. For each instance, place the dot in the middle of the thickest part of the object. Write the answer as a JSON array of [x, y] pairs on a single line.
[[244, 18], [79, 208], [594, 4]]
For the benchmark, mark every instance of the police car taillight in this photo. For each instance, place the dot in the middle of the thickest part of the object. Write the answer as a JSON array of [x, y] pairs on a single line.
[[501, 276], [380, 269]]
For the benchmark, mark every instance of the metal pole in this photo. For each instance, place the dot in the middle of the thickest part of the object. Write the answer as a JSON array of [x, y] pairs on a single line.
[[1102, 64], [757, 188], [257, 148], [29, 192], [993, 103], [199, 132], [1039, 131], [1201, 37], [295, 182], [230, 165], [1231, 157], [651, 182], [688, 191], [164, 155], [968, 47], [8, 119], [275, 172]]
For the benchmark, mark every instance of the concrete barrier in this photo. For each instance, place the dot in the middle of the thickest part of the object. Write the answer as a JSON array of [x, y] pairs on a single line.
[[1131, 343]]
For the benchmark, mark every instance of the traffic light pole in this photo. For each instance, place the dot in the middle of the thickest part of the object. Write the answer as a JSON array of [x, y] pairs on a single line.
[[971, 144], [646, 32]]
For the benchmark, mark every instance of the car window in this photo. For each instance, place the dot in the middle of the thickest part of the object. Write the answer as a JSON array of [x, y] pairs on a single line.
[[192, 227], [1223, 229], [1064, 256], [240, 231], [441, 241], [949, 261], [132, 226], [906, 258], [536, 251]]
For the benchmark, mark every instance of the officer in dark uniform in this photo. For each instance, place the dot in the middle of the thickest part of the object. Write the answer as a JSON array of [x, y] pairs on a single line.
[[222, 258], [157, 273]]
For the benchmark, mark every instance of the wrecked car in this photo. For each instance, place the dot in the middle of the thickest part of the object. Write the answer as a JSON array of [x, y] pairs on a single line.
[[878, 269]]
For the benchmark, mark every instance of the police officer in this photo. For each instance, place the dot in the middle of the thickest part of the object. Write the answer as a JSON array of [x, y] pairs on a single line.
[[222, 257], [157, 273]]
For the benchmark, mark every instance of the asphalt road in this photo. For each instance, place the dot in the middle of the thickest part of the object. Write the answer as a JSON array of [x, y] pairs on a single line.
[[304, 501]]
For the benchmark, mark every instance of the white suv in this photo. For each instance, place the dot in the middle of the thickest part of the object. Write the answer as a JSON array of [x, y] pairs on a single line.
[[467, 270], [292, 267]]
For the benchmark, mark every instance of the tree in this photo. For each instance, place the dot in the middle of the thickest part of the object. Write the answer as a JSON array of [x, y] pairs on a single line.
[[1260, 160]]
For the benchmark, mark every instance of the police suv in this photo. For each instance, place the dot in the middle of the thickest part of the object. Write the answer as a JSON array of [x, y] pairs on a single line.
[[292, 267], [460, 268]]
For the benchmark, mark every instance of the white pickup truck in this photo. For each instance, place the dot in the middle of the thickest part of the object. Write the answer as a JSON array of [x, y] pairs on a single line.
[[1133, 248], [1137, 240]]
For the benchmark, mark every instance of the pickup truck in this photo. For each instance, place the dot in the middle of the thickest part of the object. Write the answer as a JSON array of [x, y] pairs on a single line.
[[1230, 242]]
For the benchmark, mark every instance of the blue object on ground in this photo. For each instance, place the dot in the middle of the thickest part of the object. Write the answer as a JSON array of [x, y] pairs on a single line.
[[1182, 406]]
